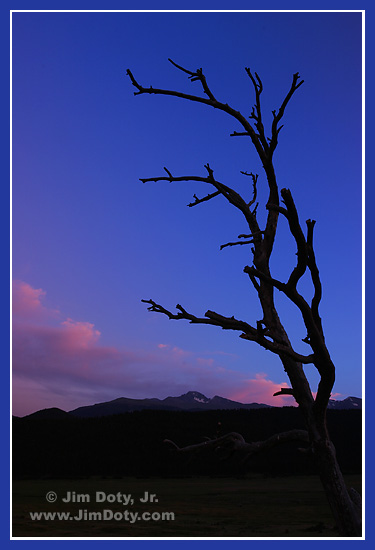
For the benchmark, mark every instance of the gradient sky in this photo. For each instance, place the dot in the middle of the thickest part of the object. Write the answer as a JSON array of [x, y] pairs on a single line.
[[90, 240]]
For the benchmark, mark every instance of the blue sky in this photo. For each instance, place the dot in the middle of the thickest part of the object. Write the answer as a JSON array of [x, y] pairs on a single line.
[[90, 240]]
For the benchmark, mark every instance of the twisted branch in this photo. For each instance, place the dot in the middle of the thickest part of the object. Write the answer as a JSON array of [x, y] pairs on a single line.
[[211, 100], [305, 259], [233, 442], [311, 263], [248, 332], [299, 237]]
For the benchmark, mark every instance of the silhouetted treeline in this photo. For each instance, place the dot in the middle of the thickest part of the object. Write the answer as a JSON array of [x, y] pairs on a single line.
[[131, 444]]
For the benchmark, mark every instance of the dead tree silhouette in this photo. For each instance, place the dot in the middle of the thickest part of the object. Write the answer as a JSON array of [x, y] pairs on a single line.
[[269, 332]]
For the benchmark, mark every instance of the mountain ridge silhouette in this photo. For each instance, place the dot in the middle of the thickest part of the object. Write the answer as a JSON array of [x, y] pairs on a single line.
[[190, 401]]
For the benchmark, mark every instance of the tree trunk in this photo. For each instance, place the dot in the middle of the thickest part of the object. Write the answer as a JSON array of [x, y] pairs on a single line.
[[345, 505]]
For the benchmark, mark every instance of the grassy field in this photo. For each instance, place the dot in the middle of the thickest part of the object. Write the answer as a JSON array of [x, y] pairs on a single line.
[[292, 506]]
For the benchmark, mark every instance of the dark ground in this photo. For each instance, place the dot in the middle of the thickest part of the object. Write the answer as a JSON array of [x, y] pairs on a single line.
[[131, 444], [276, 495], [257, 506]]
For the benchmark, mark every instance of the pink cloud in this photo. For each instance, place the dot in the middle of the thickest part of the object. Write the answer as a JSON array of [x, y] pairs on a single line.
[[79, 334], [337, 395], [26, 301], [260, 390], [54, 356], [61, 362]]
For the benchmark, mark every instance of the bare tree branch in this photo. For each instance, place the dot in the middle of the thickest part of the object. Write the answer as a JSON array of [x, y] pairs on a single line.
[[257, 113], [168, 172], [299, 237], [246, 236], [235, 244], [197, 75], [305, 255], [258, 139], [277, 117], [211, 318], [284, 391], [311, 262], [230, 194], [230, 323], [251, 270], [293, 295], [254, 177], [279, 349], [210, 101], [233, 442], [237, 134], [206, 198], [278, 208]]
